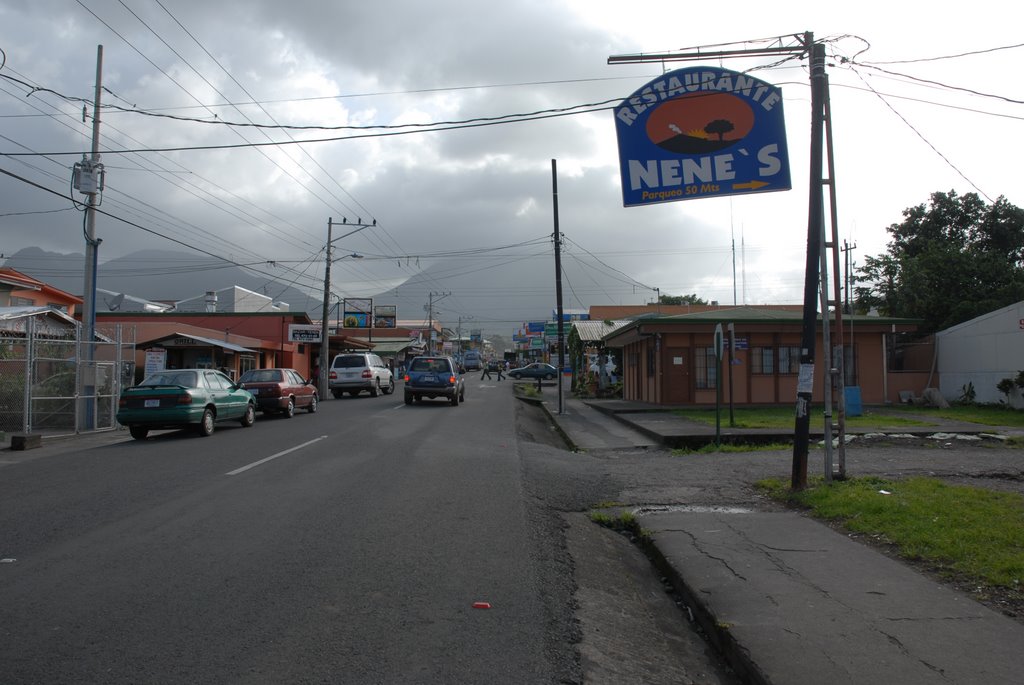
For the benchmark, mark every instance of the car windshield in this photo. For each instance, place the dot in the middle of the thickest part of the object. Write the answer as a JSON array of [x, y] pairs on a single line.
[[261, 376], [352, 362], [185, 379]]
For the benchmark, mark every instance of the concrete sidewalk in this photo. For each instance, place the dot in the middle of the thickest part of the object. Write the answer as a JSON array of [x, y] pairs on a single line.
[[788, 600]]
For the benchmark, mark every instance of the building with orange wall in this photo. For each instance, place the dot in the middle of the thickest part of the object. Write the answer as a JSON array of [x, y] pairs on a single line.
[[18, 289], [671, 359]]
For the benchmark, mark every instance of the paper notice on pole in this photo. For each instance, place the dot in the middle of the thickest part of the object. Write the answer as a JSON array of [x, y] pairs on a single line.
[[805, 382]]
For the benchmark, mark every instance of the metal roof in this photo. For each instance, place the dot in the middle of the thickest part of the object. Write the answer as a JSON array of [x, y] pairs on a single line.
[[595, 330]]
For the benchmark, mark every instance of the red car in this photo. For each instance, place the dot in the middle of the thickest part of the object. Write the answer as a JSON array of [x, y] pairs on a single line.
[[280, 391]]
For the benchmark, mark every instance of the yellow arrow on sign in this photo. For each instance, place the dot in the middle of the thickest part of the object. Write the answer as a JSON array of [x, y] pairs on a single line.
[[752, 185]]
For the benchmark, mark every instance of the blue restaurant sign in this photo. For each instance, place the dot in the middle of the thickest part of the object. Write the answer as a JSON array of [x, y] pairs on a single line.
[[701, 132]]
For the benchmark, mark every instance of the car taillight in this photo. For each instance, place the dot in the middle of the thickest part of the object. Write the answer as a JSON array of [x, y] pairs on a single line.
[[367, 373], [405, 378], [451, 380], [185, 399], [272, 391], [123, 402], [334, 375]]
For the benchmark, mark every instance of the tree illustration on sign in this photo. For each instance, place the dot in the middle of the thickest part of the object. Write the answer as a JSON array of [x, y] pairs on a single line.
[[719, 127]]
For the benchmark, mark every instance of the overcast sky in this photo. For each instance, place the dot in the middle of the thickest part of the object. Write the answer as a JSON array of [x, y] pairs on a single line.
[[467, 213]]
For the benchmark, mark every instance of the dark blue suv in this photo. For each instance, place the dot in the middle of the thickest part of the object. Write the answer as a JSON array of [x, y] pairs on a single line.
[[434, 377]]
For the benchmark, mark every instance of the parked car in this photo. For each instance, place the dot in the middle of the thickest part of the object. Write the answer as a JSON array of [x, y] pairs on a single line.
[[280, 391], [353, 372], [434, 377], [181, 398], [535, 370]]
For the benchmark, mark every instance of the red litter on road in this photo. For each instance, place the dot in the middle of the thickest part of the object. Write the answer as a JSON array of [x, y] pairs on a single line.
[[481, 605]]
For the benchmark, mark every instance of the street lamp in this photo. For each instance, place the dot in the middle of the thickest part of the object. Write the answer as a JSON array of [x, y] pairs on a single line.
[[324, 339]]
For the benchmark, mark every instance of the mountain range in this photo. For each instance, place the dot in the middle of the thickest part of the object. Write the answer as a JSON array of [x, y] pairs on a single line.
[[158, 275]]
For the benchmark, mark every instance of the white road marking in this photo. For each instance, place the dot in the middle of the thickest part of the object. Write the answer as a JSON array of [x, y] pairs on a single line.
[[273, 456]]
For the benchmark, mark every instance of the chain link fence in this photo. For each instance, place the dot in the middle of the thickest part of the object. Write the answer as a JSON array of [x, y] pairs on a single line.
[[54, 383]]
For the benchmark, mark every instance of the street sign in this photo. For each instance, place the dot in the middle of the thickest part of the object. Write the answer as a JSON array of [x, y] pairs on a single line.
[[701, 132]]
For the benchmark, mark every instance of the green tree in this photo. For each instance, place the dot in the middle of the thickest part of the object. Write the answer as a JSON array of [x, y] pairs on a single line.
[[681, 299], [949, 261]]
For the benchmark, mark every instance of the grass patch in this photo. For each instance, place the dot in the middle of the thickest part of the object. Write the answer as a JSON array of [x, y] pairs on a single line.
[[974, 532], [728, 447], [625, 520], [984, 414], [783, 417]]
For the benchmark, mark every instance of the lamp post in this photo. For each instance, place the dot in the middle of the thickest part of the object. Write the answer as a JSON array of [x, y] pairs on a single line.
[[324, 339]]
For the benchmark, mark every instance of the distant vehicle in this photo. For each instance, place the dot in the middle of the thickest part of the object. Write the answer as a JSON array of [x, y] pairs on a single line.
[[280, 391], [472, 361], [430, 377], [535, 370], [354, 372], [180, 398]]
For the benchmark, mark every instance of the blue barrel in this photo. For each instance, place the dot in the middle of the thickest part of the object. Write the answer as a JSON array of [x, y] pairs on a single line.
[[853, 404]]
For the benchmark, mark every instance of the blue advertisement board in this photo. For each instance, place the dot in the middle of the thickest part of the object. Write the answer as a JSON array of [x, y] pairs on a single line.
[[701, 132]]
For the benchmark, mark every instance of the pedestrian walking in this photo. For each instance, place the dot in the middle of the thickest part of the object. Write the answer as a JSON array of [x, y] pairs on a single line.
[[501, 371], [487, 371]]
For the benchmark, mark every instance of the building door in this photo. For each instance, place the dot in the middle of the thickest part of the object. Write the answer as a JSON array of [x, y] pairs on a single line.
[[676, 386]]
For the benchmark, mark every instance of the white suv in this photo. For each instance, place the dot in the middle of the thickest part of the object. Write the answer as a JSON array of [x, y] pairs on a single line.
[[354, 372]]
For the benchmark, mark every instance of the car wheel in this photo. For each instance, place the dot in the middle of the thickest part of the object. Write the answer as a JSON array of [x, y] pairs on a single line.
[[391, 387], [337, 394], [375, 388], [289, 409], [138, 432], [205, 427], [314, 404], [249, 417], [408, 398], [462, 395], [516, 375], [549, 377], [455, 400]]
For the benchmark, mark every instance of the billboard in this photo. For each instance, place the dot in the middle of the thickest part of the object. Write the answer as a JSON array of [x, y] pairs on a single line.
[[357, 312], [701, 132], [385, 316]]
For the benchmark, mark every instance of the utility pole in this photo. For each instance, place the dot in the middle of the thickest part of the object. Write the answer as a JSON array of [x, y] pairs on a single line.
[[430, 315], [558, 288], [88, 179], [815, 221], [325, 350]]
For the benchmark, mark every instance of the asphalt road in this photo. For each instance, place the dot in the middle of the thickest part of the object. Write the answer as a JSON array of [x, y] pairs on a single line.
[[346, 546]]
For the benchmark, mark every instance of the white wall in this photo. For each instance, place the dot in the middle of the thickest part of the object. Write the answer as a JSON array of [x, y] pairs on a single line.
[[983, 351]]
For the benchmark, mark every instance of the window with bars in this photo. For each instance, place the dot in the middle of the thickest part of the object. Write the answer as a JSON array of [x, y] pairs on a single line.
[[762, 361], [789, 361], [767, 361], [706, 369]]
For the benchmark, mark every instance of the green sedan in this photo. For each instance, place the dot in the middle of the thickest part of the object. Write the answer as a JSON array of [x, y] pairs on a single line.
[[182, 398]]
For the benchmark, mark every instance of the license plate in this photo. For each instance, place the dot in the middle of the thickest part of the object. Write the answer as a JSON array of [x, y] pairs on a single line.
[[254, 391], [429, 378], [151, 403]]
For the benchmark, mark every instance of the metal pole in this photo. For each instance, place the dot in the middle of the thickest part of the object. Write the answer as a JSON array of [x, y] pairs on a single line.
[[558, 288]]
